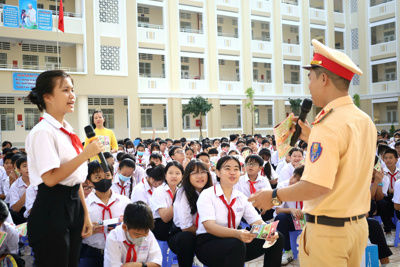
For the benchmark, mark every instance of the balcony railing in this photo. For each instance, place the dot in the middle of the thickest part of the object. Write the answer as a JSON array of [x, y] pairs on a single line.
[[230, 87], [382, 10], [150, 26], [232, 126], [261, 46], [317, 14], [339, 18], [148, 85], [151, 35], [384, 87], [379, 121], [383, 48], [191, 31], [290, 8], [260, 126], [228, 43], [264, 39], [292, 89], [192, 39], [193, 86], [38, 68], [264, 6], [230, 3], [263, 88], [291, 49], [150, 129]]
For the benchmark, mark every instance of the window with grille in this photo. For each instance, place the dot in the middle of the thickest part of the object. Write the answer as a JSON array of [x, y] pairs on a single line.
[[184, 60], [294, 67], [40, 48], [186, 25], [267, 65], [143, 10], [389, 36], [4, 46], [165, 117], [295, 77], [391, 113], [143, 20], [184, 15], [220, 20], [255, 64], [109, 116], [264, 26], [52, 63], [144, 69], [7, 119], [32, 117], [239, 118], [143, 56], [294, 29], [234, 22], [390, 74], [269, 116], [237, 63], [265, 36], [109, 11], [125, 101], [30, 62], [221, 62], [100, 101], [3, 60], [257, 117], [7, 100], [146, 118]]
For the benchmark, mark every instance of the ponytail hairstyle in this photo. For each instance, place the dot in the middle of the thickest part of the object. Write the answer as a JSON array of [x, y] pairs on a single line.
[[45, 84], [156, 172]]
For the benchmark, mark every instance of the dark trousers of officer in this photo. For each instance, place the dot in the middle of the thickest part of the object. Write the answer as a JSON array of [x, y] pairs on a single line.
[[214, 251], [182, 244], [55, 226]]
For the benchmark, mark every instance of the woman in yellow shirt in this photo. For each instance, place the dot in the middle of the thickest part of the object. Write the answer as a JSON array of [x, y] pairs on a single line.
[[106, 136]]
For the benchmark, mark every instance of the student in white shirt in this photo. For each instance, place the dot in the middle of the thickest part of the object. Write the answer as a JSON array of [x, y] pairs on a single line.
[[296, 155], [282, 163], [164, 150], [189, 153], [156, 158], [182, 238], [139, 173], [141, 159], [104, 204], [30, 196], [57, 164], [221, 208], [11, 175], [145, 188], [10, 245], [177, 153], [284, 215], [17, 192], [132, 243], [205, 158], [162, 198], [124, 182], [267, 169]]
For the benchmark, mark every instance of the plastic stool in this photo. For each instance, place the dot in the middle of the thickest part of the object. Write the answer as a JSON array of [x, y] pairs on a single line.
[[293, 242], [244, 225], [395, 219], [396, 237], [379, 219], [164, 251], [172, 258]]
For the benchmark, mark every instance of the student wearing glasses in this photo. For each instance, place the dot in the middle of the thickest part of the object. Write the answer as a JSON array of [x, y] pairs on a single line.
[[177, 153]]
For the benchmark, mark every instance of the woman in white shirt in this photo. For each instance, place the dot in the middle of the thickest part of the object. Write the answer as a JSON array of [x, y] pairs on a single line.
[[219, 241], [57, 164], [296, 156], [182, 238]]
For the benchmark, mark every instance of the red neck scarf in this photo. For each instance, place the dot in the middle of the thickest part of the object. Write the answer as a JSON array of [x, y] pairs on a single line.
[[252, 187], [129, 257], [149, 191], [299, 205], [392, 179], [231, 213]]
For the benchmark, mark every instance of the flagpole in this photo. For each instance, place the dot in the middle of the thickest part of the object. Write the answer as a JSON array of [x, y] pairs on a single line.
[[58, 21]]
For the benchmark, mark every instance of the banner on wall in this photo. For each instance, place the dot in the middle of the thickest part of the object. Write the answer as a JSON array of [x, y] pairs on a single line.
[[45, 20], [28, 16], [10, 15], [24, 81]]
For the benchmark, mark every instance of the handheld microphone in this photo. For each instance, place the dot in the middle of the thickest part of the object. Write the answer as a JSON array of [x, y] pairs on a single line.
[[305, 108], [90, 133]]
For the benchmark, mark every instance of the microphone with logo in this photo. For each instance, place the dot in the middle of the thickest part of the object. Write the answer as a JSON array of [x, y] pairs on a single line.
[[305, 108], [90, 133]]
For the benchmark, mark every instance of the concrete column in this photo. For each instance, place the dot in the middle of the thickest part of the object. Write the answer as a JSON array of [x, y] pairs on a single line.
[[277, 64], [174, 107], [305, 43], [214, 118], [134, 116], [279, 111], [330, 23], [363, 46], [246, 54], [366, 106], [212, 62], [79, 58], [78, 7], [172, 15], [83, 107]]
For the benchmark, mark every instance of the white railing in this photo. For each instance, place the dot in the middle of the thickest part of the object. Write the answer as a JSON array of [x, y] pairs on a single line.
[[384, 87], [151, 35], [291, 49], [383, 48], [148, 85], [261, 46], [382, 10], [292, 89], [150, 26], [191, 39], [228, 43], [339, 18], [230, 87], [317, 14], [193, 86], [291, 10], [15, 67], [264, 6], [262, 88], [230, 3]]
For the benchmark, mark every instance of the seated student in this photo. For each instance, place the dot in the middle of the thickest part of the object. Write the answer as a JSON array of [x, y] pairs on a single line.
[[176, 143], [380, 151], [221, 208], [379, 188], [284, 215], [296, 155], [213, 152], [11, 174], [109, 158], [87, 187], [376, 236], [144, 190], [253, 181], [121, 148], [30, 197], [282, 163], [189, 153], [267, 169], [104, 204], [17, 192], [183, 233], [224, 150], [163, 150], [274, 156], [216, 143], [205, 158], [156, 158], [10, 245], [233, 152], [124, 181], [132, 243], [397, 148], [141, 160], [240, 145], [170, 142], [176, 153], [138, 174], [161, 200], [252, 143], [155, 150]]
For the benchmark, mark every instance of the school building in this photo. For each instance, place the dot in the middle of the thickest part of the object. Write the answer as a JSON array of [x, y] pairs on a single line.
[[140, 61]]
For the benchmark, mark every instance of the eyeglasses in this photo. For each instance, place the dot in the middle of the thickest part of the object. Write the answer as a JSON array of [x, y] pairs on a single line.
[[252, 164], [86, 188], [199, 173], [179, 152]]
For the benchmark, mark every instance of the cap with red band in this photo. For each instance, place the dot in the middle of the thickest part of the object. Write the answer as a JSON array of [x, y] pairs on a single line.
[[333, 60]]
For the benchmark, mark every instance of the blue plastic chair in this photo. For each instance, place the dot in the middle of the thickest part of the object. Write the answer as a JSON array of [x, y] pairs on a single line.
[[396, 237], [293, 242], [378, 218], [164, 251]]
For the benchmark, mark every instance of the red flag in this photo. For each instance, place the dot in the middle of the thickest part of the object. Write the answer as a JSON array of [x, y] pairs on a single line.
[[61, 17]]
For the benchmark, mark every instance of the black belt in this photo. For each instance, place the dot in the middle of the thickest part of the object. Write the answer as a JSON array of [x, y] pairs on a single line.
[[324, 220]]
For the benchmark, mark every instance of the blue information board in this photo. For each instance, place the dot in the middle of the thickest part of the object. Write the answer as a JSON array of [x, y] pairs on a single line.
[[24, 81], [45, 20], [10, 14]]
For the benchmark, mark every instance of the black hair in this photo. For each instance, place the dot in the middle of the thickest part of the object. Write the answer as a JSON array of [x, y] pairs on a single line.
[[254, 158], [127, 163], [157, 139], [267, 170], [250, 140], [246, 148], [8, 156], [295, 149], [6, 143], [233, 151], [382, 149], [13, 148], [173, 163], [391, 151], [265, 141], [154, 145], [162, 142], [224, 139], [120, 155], [397, 144], [20, 160], [95, 167], [98, 111], [156, 172], [177, 142], [155, 156], [130, 143], [127, 139], [376, 160], [120, 142], [189, 148], [168, 140], [221, 162], [213, 151], [232, 137], [128, 156], [225, 145], [215, 140], [202, 154], [107, 155], [265, 152], [15, 157], [273, 142], [172, 149], [6, 150], [45, 83], [240, 141], [298, 171], [205, 146], [3, 212], [138, 216], [187, 186]]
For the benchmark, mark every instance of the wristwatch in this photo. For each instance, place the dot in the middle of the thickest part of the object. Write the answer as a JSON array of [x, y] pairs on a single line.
[[144, 264], [275, 201]]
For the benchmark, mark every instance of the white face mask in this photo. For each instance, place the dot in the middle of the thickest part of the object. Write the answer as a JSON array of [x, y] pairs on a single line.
[[136, 241], [129, 150]]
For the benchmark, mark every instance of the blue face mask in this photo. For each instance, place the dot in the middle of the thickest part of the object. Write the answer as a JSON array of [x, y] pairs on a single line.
[[140, 153], [123, 178]]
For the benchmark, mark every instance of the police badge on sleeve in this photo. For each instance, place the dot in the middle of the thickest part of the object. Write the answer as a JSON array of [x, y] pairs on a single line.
[[316, 151]]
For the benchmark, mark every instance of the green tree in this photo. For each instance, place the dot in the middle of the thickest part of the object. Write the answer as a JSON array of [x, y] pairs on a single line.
[[295, 105], [392, 130], [250, 105], [356, 99], [198, 106]]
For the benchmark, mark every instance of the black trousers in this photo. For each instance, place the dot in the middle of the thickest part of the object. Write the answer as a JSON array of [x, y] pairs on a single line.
[[55, 226], [182, 244], [18, 217], [161, 229], [285, 226], [231, 252], [385, 209], [91, 257], [377, 237]]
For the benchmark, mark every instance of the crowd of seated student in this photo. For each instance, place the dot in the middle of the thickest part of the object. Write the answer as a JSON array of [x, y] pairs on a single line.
[[168, 177]]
